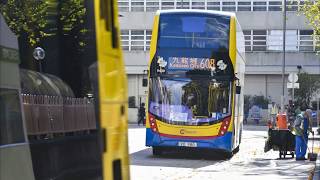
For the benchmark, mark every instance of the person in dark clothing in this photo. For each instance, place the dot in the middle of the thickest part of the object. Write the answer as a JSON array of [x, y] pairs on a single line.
[[141, 114]]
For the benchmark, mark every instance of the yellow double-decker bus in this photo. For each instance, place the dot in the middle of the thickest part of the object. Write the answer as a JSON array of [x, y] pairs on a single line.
[[63, 91], [196, 72]]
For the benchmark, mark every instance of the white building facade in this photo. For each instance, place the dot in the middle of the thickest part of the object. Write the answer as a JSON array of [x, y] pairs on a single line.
[[261, 21]]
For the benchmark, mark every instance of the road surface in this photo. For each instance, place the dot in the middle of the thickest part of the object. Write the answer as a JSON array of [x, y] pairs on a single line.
[[249, 163]]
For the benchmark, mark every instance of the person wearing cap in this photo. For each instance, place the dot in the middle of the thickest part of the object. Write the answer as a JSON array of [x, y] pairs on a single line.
[[302, 125]]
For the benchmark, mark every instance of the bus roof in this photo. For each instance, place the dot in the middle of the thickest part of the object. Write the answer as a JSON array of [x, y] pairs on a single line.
[[173, 11]]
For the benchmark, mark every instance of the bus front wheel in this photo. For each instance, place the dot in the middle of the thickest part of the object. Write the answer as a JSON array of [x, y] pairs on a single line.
[[156, 151]]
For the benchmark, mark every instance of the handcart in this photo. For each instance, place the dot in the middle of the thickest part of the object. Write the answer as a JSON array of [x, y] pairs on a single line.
[[282, 140]]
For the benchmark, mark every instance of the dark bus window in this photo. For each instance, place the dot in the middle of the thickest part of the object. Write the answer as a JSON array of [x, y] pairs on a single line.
[[11, 127], [194, 31]]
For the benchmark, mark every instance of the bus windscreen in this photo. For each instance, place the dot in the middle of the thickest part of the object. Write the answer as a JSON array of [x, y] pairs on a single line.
[[189, 101], [194, 31]]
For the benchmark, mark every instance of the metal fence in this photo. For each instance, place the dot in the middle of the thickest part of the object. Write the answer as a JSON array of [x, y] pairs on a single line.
[[53, 114]]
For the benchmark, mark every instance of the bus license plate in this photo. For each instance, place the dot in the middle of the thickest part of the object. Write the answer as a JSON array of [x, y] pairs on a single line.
[[187, 144]]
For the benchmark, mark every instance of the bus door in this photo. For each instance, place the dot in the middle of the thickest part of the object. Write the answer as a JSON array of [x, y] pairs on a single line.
[[236, 128]]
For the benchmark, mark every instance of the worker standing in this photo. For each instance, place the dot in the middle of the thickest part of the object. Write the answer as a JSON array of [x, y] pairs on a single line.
[[302, 125], [273, 113]]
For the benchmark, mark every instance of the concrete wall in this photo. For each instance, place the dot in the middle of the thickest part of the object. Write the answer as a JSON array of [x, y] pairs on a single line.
[[263, 69], [248, 20], [267, 85]]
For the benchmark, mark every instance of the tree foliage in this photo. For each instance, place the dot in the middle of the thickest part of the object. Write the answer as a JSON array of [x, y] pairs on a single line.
[[38, 19], [311, 10], [309, 86]]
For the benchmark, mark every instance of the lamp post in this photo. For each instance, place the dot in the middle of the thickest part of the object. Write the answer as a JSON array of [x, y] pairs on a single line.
[[39, 54], [284, 53]]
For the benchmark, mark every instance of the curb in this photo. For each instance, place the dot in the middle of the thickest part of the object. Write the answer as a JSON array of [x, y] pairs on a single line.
[[315, 173]]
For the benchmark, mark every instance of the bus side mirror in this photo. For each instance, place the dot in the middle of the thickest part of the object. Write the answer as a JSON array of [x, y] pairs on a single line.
[[238, 89]]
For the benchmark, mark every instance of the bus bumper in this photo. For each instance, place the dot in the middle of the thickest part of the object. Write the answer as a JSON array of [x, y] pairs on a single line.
[[217, 143]]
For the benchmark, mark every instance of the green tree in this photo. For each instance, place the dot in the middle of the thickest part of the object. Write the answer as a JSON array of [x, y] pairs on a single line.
[[38, 19], [309, 86], [311, 10]]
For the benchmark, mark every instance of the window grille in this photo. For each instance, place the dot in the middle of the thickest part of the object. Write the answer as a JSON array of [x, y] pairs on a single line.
[[229, 6], [275, 6], [259, 6], [137, 5], [213, 5], [198, 4], [125, 39], [259, 40], [244, 6], [152, 5], [123, 5], [306, 41]]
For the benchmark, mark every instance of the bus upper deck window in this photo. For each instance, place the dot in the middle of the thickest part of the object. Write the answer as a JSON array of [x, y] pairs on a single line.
[[193, 24]]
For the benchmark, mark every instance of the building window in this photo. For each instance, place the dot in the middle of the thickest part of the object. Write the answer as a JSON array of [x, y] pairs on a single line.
[[11, 125], [259, 6], [200, 4], [125, 39], [306, 42], [137, 5], [167, 4], [148, 39], [244, 6], [229, 6], [137, 40], [259, 40], [183, 5], [152, 5], [292, 6], [275, 6], [123, 5], [213, 5], [275, 40], [248, 40]]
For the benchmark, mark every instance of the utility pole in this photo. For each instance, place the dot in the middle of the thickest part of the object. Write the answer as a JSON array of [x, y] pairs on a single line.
[[181, 4], [284, 53]]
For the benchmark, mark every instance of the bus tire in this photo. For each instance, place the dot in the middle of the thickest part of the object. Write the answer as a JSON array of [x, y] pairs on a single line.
[[228, 155], [156, 151], [236, 150]]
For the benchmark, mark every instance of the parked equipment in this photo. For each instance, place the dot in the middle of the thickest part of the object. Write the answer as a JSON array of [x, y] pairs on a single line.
[[281, 140]]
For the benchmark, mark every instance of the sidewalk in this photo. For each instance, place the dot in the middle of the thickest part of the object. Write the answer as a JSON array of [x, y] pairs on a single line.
[[316, 172]]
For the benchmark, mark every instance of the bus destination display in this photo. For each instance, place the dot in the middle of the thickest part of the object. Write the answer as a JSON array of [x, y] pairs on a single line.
[[187, 63]]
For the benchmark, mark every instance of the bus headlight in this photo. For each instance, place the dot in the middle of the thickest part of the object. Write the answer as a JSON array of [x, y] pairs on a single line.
[[224, 126], [153, 124]]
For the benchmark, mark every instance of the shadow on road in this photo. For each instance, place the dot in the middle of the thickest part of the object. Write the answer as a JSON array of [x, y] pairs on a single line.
[[179, 158], [203, 162], [286, 168]]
